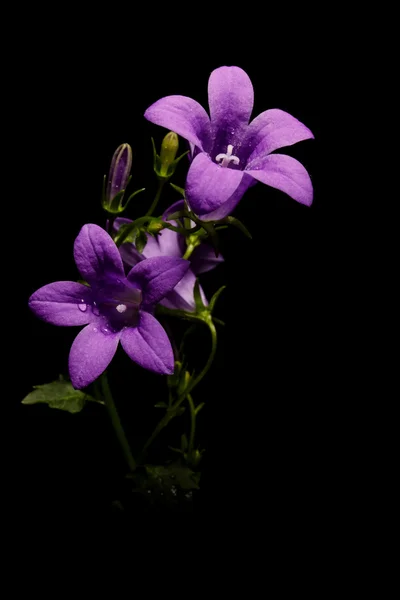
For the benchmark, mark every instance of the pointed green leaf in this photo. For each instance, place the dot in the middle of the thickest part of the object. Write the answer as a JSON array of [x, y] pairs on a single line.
[[141, 241], [215, 298], [236, 223], [197, 296], [178, 189], [59, 394], [198, 408]]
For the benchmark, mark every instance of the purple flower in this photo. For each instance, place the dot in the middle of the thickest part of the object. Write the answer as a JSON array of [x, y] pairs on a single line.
[[170, 243], [229, 154], [115, 308]]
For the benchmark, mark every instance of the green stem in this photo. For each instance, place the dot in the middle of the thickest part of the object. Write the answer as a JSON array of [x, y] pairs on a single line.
[[152, 208], [189, 251], [163, 423], [170, 414], [213, 332], [116, 423], [192, 423]]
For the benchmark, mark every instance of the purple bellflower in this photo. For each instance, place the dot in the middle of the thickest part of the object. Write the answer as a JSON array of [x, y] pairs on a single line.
[[171, 243], [115, 308], [229, 153]]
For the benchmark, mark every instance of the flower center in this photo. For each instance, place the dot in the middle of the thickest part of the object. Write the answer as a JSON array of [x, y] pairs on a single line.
[[227, 158], [117, 306]]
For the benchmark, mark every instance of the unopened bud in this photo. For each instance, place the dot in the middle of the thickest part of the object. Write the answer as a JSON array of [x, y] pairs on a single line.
[[169, 149], [118, 175]]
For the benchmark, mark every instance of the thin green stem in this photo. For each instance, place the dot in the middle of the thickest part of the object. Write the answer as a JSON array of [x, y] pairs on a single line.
[[116, 423], [152, 208], [197, 380], [189, 251], [170, 414], [192, 423]]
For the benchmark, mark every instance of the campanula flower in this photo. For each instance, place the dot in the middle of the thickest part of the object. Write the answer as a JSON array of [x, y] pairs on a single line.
[[229, 152], [114, 307]]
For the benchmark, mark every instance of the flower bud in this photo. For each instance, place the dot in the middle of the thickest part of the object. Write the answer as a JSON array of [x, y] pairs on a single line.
[[118, 179], [169, 149], [118, 176]]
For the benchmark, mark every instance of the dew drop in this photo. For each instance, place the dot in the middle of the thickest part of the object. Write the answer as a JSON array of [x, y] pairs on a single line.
[[121, 308], [95, 309], [173, 490], [82, 306]]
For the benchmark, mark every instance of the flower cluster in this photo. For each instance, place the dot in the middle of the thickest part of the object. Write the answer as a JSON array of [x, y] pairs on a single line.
[[124, 284]]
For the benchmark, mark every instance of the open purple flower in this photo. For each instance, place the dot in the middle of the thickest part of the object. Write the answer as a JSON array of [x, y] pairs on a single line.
[[229, 153], [115, 308], [171, 243]]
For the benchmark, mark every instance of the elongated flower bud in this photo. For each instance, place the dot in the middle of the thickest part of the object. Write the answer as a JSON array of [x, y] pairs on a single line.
[[169, 150], [119, 171]]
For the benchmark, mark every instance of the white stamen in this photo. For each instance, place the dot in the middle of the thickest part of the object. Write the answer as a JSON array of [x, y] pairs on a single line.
[[121, 308], [227, 158]]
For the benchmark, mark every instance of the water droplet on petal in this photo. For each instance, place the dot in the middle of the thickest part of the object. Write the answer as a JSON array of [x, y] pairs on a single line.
[[82, 306], [95, 309], [121, 308], [95, 329]]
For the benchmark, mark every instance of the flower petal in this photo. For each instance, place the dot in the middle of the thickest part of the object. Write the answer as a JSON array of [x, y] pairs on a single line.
[[90, 354], [148, 345], [209, 185], [157, 276], [96, 255], [63, 303], [130, 255], [271, 130], [168, 242], [283, 173], [230, 98], [182, 296], [183, 115], [203, 259], [175, 207]]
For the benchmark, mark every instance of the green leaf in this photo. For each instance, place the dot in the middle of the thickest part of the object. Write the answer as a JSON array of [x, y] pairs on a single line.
[[184, 442], [236, 223], [59, 394], [161, 405], [141, 241], [178, 189], [215, 298], [197, 297], [175, 473], [198, 408]]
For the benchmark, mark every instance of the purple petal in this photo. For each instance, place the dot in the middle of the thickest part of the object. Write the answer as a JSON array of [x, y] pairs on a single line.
[[96, 255], [209, 185], [63, 303], [284, 173], [230, 98], [130, 255], [184, 116], [271, 130], [175, 207], [157, 276], [203, 259], [90, 354], [182, 297], [168, 243], [148, 345]]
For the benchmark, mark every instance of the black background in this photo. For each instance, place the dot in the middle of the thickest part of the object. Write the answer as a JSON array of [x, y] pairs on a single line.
[[268, 396]]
